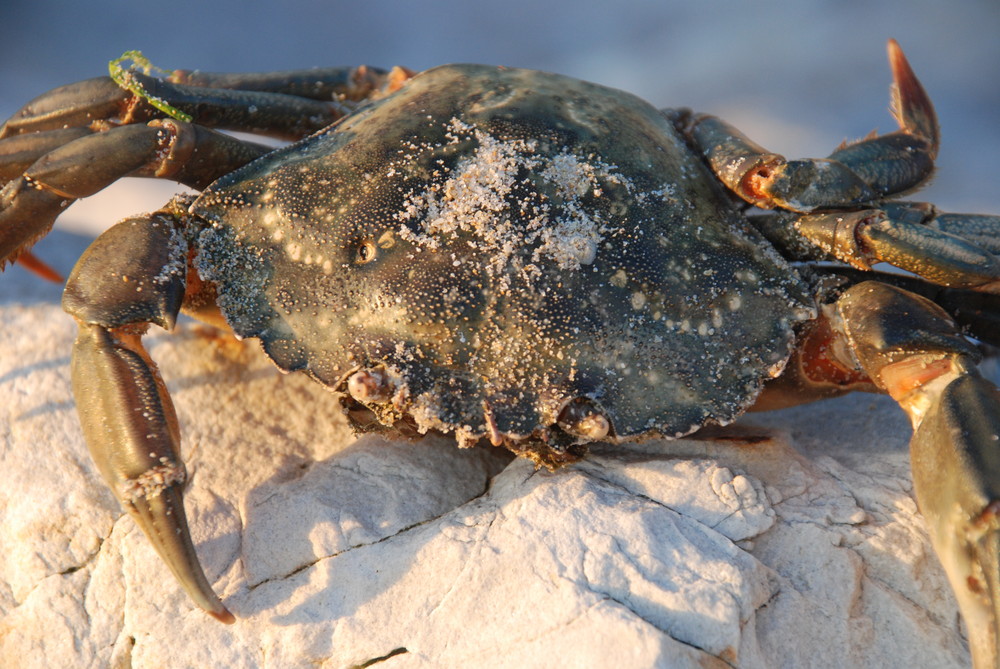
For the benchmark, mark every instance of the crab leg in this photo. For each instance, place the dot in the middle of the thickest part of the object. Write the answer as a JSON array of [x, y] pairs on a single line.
[[977, 313], [332, 83], [912, 350], [853, 175], [184, 152], [981, 229], [18, 153], [955, 250], [287, 105], [131, 429], [73, 105], [133, 275], [912, 237], [98, 102]]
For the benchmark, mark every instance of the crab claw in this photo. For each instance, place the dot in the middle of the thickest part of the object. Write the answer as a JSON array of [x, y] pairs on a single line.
[[160, 515], [913, 351], [131, 429], [955, 453]]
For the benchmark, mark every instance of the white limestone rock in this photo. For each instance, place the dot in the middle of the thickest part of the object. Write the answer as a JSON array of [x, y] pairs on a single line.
[[788, 540]]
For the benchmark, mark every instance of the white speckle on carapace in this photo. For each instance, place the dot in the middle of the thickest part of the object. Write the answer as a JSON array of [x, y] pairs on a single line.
[[484, 194], [177, 266]]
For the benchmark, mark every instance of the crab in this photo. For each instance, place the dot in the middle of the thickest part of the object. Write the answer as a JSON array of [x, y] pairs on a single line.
[[518, 258]]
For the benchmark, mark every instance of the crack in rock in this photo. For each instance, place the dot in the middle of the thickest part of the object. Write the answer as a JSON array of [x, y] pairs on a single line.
[[382, 658]]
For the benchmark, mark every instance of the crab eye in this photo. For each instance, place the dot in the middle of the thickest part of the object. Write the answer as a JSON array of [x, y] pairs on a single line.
[[366, 252]]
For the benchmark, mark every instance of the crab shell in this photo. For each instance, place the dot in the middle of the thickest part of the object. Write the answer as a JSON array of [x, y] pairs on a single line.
[[498, 245]]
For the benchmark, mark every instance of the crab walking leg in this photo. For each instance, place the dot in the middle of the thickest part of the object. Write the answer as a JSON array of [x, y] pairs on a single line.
[[101, 101], [133, 275], [329, 83], [18, 153], [950, 250], [852, 175], [976, 312], [286, 105], [980, 229], [912, 350], [183, 152], [74, 105]]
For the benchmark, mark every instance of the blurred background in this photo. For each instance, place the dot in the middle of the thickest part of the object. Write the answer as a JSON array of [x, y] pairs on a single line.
[[797, 77]]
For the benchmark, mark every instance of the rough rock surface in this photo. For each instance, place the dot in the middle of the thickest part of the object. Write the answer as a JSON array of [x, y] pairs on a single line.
[[788, 540]]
